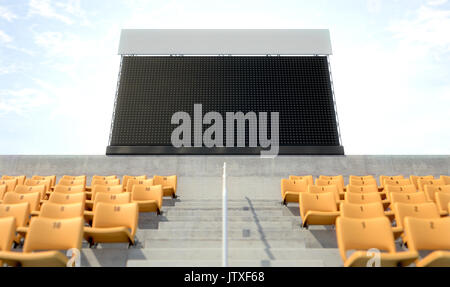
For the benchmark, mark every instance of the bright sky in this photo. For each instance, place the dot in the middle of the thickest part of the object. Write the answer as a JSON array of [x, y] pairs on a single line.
[[59, 66]]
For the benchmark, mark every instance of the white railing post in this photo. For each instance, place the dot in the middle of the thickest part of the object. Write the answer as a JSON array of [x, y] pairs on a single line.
[[224, 218]]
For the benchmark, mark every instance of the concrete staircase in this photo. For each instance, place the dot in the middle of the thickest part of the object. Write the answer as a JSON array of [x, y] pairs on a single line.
[[189, 233]]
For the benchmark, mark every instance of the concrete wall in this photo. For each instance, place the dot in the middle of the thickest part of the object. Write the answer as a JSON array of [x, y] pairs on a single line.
[[201, 176]]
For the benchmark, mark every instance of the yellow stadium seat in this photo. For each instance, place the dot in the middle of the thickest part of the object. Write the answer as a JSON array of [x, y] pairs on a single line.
[[446, 179], [111, 189], [420, 210], [395, 177], [431, 190], [337, 182], [32, 198], [105, 197], [105, 182], [318, 209], [51, 177], [68, 189], [363, 235], [290, 189], [327, 188], [362, 188], [429, 234], [69, 198], [359, 182], [336, 177], [358, 177], [128, 177], [71, 177], [442, 202], [169, 184], [10, 184], [31, 189], [20, 211], [414, 179], [368, 210], [33, 182], [113, 223], [309, 178], [132, 182], [20, 178], [47, 234], [410, 188], [148, 198], [61, 211], [433, 182], [407, 198]]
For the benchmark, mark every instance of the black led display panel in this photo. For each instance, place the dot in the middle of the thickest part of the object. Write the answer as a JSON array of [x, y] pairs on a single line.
[[152, 88]]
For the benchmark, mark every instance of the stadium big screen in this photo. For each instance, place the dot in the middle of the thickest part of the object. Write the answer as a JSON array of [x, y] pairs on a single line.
[[152, 88]]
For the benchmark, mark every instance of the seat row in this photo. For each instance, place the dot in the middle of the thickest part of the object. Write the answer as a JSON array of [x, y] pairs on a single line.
[[109, 215], [361, 205]]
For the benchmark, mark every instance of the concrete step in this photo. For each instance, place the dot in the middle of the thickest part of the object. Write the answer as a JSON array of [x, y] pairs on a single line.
[[231, 212], [231, 263], [234, 254], [202, 234], [232, 243], [217, 225], [217, 218]]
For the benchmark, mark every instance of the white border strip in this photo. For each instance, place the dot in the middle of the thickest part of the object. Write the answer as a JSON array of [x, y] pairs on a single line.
[[225, 42]]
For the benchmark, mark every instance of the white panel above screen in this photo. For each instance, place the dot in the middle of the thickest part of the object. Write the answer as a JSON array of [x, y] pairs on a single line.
[[225, 42]]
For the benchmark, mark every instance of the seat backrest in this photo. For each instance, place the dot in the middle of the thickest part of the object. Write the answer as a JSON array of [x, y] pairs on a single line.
[[359, 182], [442, 201], [10, 184], [69, 198], [395, 177], [31, 189], [69, 182], [128, 177], [144, 192], [420, 210], [309, 178], [72, 177], [317, 202], [428, 234], [431, 190], [414, 179], [20, 178], [32, 198], [337, 182], [106, 188], [362, 198], [410, 188], [54, 234], [2, 190], [409, 198], [34, 182], [362, 188], [105, 182], [446, 179], [363, 177], [397, 182], [364, 234], [51, 177], [433, 182], [116, 215], [8, 233], [293, 185], [68, 189], [101, 177], [132, 182], [166, 181], [368, 210], [326, 188], [20, 211], [112, 198], [62, 211], [339, 178]]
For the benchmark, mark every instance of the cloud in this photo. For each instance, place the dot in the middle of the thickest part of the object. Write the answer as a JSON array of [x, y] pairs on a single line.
[[22, 101], [374, 6], [6, 14], [436, 2], [5, 38], [68, 12]]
